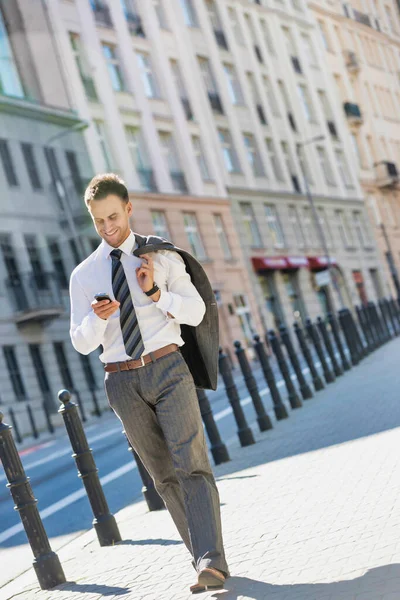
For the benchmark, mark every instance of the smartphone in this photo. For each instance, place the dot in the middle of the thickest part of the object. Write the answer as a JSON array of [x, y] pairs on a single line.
[[102, 296]]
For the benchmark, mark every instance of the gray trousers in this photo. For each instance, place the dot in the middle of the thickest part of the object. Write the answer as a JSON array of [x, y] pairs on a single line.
[[158, 407]]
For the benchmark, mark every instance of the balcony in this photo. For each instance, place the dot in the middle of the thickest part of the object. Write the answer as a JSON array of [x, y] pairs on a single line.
[[261, 114], [352, 62], [332, 129], [258, 54], [387, 175], [147, 179], [362, 18], [296, 184], [135, 24], [292, 122], [353, 113], [221, 39], [179, 181], [215, 102], [34, 298], [187, 109], [90, 89], [296, 65], [102, 14]]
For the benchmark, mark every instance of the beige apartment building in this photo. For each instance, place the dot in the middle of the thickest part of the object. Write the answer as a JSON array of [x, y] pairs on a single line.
[[361, 40], [204, 104]]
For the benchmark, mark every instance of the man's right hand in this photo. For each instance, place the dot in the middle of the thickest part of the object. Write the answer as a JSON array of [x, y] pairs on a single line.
[[104, 308]]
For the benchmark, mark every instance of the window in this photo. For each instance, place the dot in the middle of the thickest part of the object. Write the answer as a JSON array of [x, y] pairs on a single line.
[[189, 13], [58, 265], [343, 227], [74, 251], [52, 164], [210, 85], [306, 102], [223, 238], [324, 35], [83, 67], [31, 166], [310, 233], [228, 151], [276, 167], [180, 86], [10, 83], [253, 155], [200, 157], [193, 235], [14, 373], [149, 81], [271, 96], [160, 225], [361, 229], [88, 372], [216, 24], [235, 91], [41, 375], [301, 153], [171, 158], [309, 50], [290, 166], [256, 98], [8, 166], [160, 12], [103, 143], [235, 25], [343, 168], [77, 180], [324, 226], [325, 166], [35, 259], [242, 310], [10, 261], [297, 228], [267, 37], [140, 157], [63, 367], [114, 69], [250, 225], [274, 225]]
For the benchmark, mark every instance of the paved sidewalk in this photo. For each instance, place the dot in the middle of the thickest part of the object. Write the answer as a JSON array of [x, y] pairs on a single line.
[[310, 512]]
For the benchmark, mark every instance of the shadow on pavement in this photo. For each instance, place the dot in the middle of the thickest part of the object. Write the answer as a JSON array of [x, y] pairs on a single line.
[[92, 588], [378, 581], [149, 542]]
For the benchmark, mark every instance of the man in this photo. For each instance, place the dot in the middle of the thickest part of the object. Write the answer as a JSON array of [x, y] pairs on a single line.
[[147, 381]]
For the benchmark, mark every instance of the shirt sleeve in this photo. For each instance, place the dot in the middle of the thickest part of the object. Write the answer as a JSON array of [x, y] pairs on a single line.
[[181, 300], [87, 329]]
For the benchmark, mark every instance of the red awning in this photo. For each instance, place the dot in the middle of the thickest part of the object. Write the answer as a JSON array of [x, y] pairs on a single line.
[[316, 263], [271, 263]]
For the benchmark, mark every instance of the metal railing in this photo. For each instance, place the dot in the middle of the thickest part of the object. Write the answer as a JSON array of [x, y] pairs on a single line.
[[221, 39], [90, 88], [215, 102], [135, 23], [179, 181], [38, 293], [102, 14], [352, 110], [147, 179]]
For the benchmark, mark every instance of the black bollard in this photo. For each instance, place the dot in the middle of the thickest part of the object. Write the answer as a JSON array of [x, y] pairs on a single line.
[[393, 310], [317, 381], [329, 348], [32, 421], [104, 522], [15, 426], [304, 387], [381, 324], [365, 327], [395, 327], [386, 318], [381, 308], [81, 408], [348, 334], [263, 420], [314, 337], [46, 411], [218, 449], [376, 324], [245, 434], [46, 563], [293, 397], [371, 326], [279, 407], [152, 497], [338, 342], [361, 348], [96, 407]]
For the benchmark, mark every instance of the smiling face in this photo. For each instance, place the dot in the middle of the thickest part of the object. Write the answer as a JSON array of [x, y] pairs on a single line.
[[111, 219]]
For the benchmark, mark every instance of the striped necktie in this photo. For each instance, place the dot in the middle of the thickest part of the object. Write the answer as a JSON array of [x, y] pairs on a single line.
[[129, 324]]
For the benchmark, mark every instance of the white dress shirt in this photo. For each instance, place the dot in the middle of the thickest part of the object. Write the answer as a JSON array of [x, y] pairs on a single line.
[[178, 297]]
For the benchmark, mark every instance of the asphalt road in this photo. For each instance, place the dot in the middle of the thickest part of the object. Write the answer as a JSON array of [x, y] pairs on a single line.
[[62, 501]]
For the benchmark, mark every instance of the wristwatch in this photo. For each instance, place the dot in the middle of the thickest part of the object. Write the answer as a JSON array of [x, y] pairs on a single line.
[[153, 290]]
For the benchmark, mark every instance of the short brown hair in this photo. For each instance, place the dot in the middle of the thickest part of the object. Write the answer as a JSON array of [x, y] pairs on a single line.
[[104, 184]]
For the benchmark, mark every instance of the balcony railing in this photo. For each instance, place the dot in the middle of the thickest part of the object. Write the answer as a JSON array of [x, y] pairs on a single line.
[[332, 129], [296, 64], [34, 297], [258, 54], [361, 17], [147, 179], [221, 39], [179, 181], [102, 14], [352, 62], [135, 24], [296, 184], [187, 108], [292, 122], [353, 112], [215, 102], [90, 89], [387, 174], [261, 114]]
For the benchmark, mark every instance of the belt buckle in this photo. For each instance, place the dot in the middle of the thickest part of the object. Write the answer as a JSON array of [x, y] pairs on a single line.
[[143, 364]]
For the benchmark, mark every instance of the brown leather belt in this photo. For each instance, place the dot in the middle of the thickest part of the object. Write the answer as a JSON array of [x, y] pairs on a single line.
[[127, 365]]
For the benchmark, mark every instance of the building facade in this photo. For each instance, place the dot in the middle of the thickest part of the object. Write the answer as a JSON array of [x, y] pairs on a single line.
[[361, 41]]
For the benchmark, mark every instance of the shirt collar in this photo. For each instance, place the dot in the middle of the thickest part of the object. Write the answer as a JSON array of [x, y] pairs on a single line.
[[127, 246]]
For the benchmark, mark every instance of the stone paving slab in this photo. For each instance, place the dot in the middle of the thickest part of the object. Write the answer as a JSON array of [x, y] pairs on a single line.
[[310, 512]]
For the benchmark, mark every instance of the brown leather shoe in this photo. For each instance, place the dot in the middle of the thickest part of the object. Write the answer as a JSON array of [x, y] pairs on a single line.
[[208, 579]]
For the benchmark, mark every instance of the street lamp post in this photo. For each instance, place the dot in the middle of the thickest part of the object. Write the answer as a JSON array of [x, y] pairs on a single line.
[[321, 233]]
